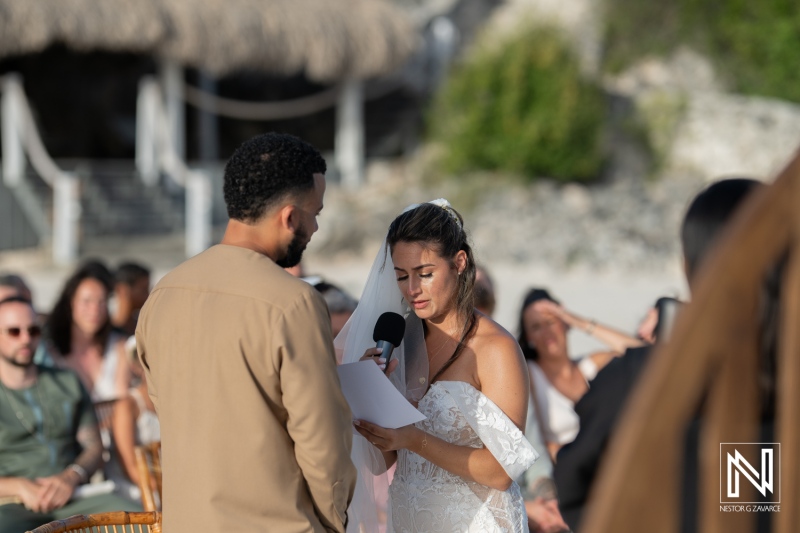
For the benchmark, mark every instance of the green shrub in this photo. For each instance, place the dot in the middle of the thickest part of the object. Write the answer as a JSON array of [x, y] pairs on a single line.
[[753, 44], [521, 106]]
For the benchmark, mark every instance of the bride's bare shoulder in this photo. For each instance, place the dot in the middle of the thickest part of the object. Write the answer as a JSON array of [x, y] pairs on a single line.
[[493, 340], [488, 329], [501, 372]]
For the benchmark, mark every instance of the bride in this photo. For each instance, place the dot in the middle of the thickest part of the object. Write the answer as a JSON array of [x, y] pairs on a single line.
[[455, 470]]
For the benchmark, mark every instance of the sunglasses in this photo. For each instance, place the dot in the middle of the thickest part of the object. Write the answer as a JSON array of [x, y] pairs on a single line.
[[33, 331]]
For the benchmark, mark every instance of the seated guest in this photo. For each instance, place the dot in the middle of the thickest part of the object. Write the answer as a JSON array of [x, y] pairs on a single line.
[[599, 409], [80, 336], [340, 304], [49, 441], [647, 327], [14, 285], [484, 292], [131, 289], [658, 320], [135, 422]]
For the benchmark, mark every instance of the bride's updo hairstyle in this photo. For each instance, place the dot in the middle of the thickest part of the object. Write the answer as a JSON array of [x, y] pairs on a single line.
[[441, 229]]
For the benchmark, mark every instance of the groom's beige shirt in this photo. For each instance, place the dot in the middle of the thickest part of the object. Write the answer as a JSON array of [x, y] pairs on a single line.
[[255, 431]]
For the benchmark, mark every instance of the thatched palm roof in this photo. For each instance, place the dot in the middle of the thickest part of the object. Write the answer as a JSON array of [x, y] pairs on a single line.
[[326, 39]]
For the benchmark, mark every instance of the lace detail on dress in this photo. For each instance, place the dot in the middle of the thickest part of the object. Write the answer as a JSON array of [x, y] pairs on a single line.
[[427, 498]]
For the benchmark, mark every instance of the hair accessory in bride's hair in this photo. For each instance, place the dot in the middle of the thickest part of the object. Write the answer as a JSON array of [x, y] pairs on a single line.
[[444, 204]]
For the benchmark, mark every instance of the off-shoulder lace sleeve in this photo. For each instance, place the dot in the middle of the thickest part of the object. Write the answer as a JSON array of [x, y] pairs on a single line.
[[497, 432]]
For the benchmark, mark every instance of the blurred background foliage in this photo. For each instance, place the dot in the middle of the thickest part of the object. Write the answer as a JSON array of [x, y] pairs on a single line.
[[752, 44], [522, 106]]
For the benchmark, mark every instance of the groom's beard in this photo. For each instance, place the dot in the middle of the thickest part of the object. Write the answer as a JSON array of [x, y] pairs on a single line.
[[294, 253]]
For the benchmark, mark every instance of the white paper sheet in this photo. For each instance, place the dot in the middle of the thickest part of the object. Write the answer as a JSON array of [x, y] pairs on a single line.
[[373, 398], [93, 489]]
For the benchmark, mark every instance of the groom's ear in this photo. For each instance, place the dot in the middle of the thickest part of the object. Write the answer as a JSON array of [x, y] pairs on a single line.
[[287, 217]]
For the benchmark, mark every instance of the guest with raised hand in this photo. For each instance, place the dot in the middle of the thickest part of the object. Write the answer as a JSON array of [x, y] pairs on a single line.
[[80, 336], [454, 472], [557, 380]]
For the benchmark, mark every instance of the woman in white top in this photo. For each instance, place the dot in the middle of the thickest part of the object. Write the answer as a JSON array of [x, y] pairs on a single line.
[[80, 336], [135, 422], [557, 380]]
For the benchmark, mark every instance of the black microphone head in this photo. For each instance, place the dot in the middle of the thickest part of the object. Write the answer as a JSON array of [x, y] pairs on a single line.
[[389, 327]]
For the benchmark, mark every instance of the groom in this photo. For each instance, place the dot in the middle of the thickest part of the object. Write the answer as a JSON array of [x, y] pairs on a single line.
[[239, 360]]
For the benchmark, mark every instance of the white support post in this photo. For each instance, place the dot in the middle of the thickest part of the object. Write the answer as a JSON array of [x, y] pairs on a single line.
[[207, 122], [445, 38], [172, 80], [13, 153], [349, 141], [198, 212], [146, 110], [66, 217]]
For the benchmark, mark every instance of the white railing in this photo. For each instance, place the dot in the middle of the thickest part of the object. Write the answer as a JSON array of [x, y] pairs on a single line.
[[20, 136], [347, 98], [156, 153], [159, 138]]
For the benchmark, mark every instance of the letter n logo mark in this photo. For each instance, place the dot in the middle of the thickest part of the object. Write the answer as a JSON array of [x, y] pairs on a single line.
[[756, 463]]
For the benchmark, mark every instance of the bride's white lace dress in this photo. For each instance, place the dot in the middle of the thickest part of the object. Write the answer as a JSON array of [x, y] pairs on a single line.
[[426, 498]]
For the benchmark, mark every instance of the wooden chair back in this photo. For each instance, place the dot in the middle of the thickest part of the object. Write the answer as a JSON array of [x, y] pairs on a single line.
[[114, 522], [105, 415], [713, 360], [148, 465], [105, 412]]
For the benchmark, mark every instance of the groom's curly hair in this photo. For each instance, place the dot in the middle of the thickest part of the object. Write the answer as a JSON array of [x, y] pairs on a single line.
[[266, 169]]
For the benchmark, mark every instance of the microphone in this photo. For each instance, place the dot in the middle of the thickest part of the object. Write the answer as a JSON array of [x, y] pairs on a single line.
[[388, 333]]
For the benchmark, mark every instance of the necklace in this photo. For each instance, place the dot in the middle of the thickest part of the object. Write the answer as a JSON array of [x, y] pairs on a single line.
[[431, 358], [456, 353], [18, 411], [447, 339]]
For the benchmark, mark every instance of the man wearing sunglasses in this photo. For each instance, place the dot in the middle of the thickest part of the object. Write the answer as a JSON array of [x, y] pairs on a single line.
[[49, 441]]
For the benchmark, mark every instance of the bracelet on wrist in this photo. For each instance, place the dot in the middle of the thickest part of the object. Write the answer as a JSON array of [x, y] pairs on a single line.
[[590, 328], [83, 475]]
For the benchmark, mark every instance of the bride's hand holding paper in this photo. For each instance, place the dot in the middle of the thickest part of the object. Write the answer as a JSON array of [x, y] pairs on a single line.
[[390, 440], [385, 439]]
